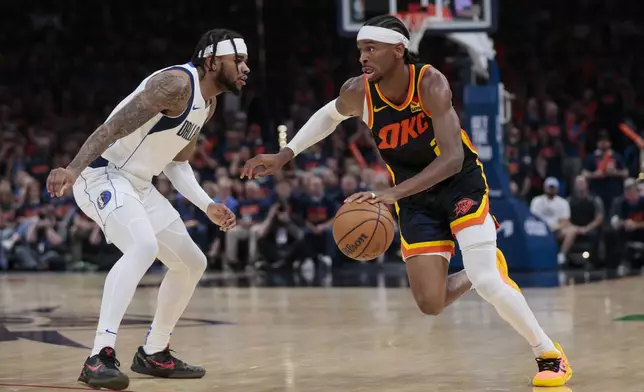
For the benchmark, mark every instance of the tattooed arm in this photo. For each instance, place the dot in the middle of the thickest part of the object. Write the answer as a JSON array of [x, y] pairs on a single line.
[[167, 92]]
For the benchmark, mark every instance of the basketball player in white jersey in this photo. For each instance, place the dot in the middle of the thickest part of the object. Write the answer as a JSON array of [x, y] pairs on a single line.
[[153, 130]]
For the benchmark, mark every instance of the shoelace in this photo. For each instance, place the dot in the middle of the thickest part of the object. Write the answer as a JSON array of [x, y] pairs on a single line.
[[110, 361], [552, 365]]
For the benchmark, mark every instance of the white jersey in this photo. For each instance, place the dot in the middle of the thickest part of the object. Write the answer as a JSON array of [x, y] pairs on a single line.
[[146, 152]]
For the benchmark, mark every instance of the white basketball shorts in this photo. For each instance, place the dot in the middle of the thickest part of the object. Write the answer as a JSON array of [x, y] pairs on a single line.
[[98, 192]]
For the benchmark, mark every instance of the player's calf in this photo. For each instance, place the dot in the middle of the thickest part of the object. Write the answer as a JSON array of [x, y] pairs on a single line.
[[428, 281]]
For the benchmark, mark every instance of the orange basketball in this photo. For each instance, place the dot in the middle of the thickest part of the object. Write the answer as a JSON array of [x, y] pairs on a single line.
[[363, 231]]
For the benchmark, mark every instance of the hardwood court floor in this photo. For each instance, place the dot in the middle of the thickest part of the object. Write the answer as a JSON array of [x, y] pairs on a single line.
[[323, 339]]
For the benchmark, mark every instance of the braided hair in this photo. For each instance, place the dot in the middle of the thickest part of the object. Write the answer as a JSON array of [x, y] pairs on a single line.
[[212, 37], [392, 23]]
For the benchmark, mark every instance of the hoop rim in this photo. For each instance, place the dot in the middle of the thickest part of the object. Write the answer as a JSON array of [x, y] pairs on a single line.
[[415, 21]]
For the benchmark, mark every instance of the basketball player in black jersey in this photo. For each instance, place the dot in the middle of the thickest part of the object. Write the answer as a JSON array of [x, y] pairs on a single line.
[[440, 192]]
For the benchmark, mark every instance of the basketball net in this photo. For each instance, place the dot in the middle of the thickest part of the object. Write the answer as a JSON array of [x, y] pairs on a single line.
[[417, 23], [478, 45]]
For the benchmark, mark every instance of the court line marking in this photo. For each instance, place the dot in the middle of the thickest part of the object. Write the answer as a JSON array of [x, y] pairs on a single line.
[[52, 387]]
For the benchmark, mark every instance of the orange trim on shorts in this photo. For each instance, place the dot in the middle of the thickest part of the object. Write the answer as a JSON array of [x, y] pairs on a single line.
[[476, 218], [367, 90], [410, 91], [420, 248]]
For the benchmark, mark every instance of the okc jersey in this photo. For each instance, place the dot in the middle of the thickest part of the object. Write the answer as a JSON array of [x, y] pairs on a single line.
[[150, 148], [404, 135]]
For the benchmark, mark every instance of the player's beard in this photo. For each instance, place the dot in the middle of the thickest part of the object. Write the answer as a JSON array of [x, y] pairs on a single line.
[[228, 84]]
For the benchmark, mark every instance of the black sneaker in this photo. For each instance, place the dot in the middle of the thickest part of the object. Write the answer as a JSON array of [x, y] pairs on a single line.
[[163, 364], [101, 371]]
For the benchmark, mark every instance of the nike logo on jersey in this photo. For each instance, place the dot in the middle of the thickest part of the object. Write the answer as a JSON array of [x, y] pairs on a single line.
[[376, 110], [195, 107], [188, 130]]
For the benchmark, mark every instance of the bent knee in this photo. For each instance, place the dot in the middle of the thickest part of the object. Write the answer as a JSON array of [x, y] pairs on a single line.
[[198, 263], [430, 307], [146, 249], [489, 286]]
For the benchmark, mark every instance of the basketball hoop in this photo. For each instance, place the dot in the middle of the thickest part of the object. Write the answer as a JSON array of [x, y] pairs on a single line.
[[417, 23]]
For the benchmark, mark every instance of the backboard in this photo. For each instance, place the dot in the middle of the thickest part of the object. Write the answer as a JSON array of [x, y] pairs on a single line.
[[445, 16]]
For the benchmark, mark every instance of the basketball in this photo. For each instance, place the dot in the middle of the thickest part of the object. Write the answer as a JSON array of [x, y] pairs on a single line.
[[363, 231]]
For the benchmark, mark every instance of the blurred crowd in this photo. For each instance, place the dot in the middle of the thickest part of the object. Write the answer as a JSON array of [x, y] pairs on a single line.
[[571, 67], [578, 82]]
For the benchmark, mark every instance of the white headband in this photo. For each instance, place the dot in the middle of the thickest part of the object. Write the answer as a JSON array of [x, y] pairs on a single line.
[[225, 47], [382, 34]]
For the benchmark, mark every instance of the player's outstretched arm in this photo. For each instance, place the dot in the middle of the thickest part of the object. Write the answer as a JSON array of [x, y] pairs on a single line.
[[436, 96], [321, 124], [165, 92]]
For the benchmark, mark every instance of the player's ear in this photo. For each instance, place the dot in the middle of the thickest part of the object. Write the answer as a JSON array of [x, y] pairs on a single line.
[[400, 51], [211, 63]]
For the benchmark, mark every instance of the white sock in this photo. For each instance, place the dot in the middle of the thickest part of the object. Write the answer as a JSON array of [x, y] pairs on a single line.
[[544, 347], [478, 245], [186, 264], [104, 338], [129, 229], [156, 340]]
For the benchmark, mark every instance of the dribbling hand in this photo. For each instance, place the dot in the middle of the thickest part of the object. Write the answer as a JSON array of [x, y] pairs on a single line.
[[222, 216], [60, 180], [389, 196]]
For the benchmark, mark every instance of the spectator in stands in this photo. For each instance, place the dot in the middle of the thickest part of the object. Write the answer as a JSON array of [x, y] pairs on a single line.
[[518, 166], [85, 237], [555, 211], [311, 158], [318, 212], [605, 170], [348, 186], [279, 244], [330, 181], [44, 245], [251, 224], [586, 217], [628, 219]]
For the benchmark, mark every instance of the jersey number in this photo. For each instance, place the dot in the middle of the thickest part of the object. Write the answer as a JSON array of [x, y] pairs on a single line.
[[437, 150]]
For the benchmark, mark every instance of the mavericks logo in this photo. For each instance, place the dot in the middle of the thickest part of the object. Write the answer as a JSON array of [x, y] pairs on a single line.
[[103, 199]]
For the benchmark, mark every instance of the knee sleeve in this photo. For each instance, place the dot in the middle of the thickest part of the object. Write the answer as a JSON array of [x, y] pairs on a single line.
[[478, 248]]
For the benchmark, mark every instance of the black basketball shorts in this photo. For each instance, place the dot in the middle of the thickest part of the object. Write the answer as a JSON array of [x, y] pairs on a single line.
[[429, 222]]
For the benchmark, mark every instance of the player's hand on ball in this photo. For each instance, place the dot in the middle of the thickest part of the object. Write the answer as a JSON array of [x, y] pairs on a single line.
[[60, 180], [222, 216], [389, 195]]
